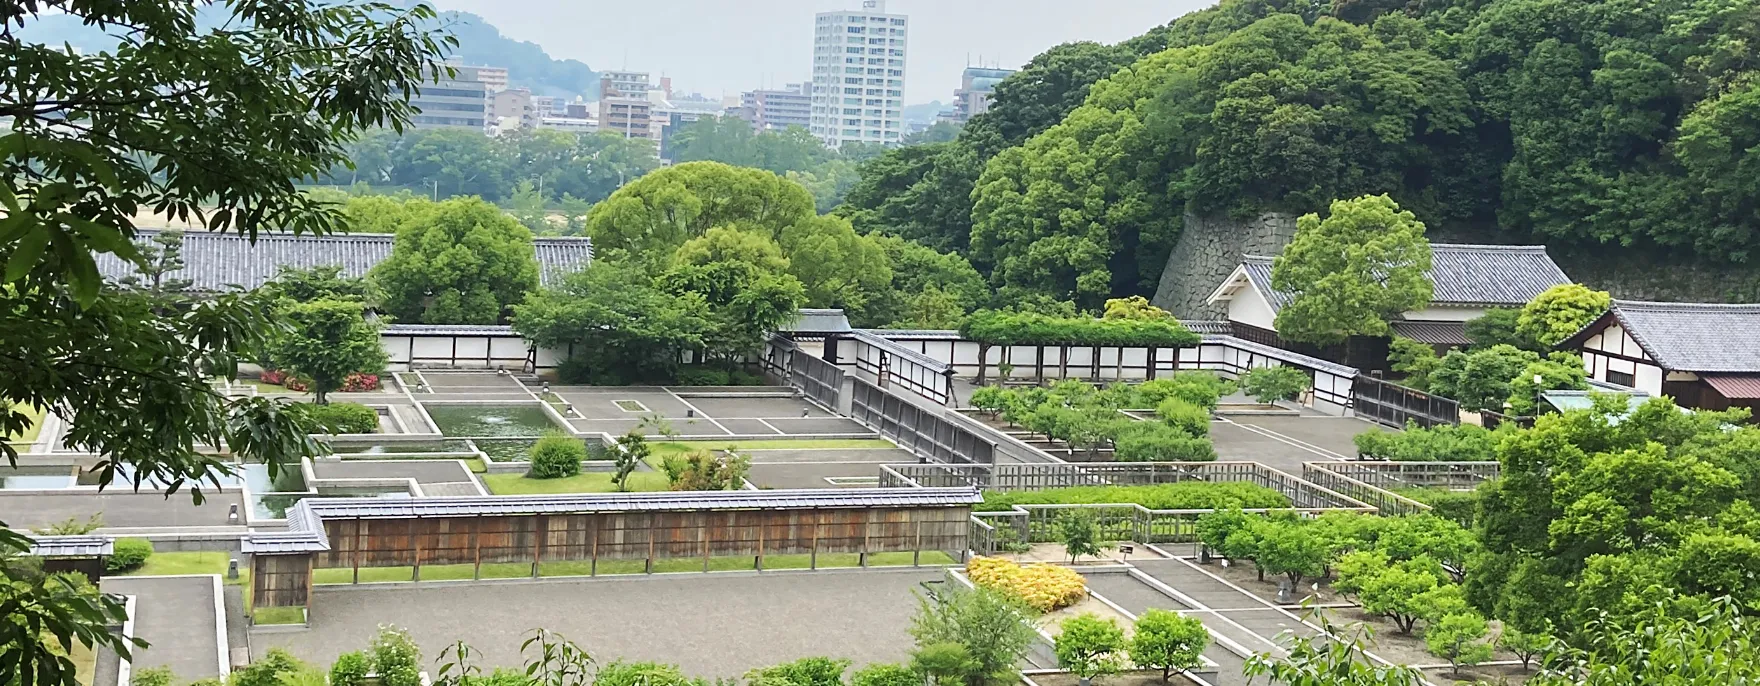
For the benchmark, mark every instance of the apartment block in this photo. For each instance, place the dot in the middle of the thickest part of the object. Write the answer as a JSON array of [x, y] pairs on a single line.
[[776, 110], [858, 75]]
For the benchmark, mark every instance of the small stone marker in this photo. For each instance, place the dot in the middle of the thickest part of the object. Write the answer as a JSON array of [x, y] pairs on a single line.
[[232, 569]]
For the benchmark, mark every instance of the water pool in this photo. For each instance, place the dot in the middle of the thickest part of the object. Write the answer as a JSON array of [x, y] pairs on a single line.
[[20, 478], [491, 420], [401, 448]]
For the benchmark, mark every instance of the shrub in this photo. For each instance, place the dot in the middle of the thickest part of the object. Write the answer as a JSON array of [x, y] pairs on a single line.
[[1442, 443], [885, 674], [1271, 384], [151, 676], [990, 399], [1169, 445], [1188, 418], [1089, 646], [556, 455], [72, 526], [350, 669], [343, 418], [702, 470], [1560, 312], [1414, 360], [396, 659], [1029, 328], [1458, 638], [129, 554], [622, 673], [1187, 495], [701, 376], [1560, 371], [1078, 533], [1167, 641], [1480, 379], [360, 383], [1042, 586], [267, 670], [740, 377], [807, 671]]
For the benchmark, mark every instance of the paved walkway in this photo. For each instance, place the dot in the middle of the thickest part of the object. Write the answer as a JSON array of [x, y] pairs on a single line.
[[176, 615], [120, 507], [1138, 597], [711, 625]]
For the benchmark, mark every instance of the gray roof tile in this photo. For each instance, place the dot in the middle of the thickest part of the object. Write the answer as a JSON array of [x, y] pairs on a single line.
[[1694, 337], [217, 261], [71, 546], [1463, 274], [820, 321]]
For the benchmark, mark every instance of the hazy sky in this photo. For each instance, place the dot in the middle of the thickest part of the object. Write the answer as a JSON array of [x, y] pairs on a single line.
[[726, 46]]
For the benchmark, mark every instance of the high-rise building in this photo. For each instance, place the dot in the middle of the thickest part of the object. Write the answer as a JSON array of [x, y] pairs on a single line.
[[547, 106], [972, 98], [452, 102], [624, 105], [775, 110], [858, 75]]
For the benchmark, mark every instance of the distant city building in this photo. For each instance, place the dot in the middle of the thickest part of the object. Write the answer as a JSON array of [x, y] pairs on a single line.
[[578, 109], [858, 75], [623, 104], [513, 109], [452, 102], [972, 98], [495, 78], [569, 124], [547, 106], [667, 114], [775, 110]]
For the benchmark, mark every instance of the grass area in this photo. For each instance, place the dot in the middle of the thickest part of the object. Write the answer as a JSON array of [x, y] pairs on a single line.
[[279, 615], [476, 465], [585, 482], [771, 444], [265, 387], [85, 663], [520, 570], [197, 562], [34, 415], [555, 400]]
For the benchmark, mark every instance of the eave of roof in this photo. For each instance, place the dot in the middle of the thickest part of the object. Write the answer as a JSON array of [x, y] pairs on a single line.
[[1462, 275]]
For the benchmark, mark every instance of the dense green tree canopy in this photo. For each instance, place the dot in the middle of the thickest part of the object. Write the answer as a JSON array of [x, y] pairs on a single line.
[[325, 341], [444, 162], [618, 325], [1352, 272], [657, 213], [462, 261]]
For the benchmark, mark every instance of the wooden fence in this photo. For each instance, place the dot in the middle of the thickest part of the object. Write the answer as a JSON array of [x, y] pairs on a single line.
[[1395, 405], [1036, 477], [921, 430], [816, 378], [896, 365]]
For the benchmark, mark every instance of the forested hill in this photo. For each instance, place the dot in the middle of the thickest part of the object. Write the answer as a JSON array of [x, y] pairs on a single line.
[[1622, 127], [479, 42]]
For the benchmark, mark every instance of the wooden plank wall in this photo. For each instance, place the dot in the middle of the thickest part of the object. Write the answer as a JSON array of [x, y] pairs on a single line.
[[638, 535], [281, 580]]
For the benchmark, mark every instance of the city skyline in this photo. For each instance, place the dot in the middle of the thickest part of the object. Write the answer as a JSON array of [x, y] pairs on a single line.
[[720, 49]]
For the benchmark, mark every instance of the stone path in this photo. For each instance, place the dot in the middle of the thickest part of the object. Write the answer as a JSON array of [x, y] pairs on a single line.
[[176, 615]]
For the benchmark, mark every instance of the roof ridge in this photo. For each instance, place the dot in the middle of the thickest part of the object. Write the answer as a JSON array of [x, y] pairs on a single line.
[[1488, 246], [1661, 305]]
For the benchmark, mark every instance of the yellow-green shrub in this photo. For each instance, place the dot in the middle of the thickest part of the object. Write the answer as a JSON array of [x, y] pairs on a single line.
[[1046, 587]]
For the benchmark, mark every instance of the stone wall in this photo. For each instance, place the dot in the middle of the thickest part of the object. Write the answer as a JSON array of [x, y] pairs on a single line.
[[1208, 249]]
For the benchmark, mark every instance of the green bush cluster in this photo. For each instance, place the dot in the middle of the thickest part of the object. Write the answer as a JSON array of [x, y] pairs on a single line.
[[704, 376], [343, 418], [1186, 495], [350, 669], [556, 455], [129, 554], [1088, 418], [1029, 328], [1442, 443], [396, 659], [1271, 384]]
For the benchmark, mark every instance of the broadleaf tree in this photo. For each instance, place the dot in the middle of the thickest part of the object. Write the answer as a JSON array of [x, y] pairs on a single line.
[[1352, 272], [206, 125], [462, 261], [325, 341]]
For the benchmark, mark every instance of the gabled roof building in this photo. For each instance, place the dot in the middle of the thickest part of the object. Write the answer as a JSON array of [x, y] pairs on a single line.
[[1703, 355], [1468, 280]]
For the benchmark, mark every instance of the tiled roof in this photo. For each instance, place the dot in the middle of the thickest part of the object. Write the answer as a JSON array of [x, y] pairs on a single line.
[[1286, 356], [1207, 326], [448, 330], [1434, 333], [305, 520], [1735, 386], [71, 546], [820, 320], [215, 261], [1694, 337], [1463, 275]]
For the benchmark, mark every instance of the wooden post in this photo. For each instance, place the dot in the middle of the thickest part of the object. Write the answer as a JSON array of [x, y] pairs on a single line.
[[703, 537], [360, 545], [538, 528], [1063, 362], [593, 566], [648, 567], [867, 535], [983, 360], [415, 541], [813, 555], [1150, 362], [917, 549], [1094, 363], [1039, 363], [476, 548], [763, 523]]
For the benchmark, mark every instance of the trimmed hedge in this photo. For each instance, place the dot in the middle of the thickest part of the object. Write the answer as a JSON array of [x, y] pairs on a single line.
[[1188, 495], [1443, 443], [344, 418], [128, 554], [1028, 328], [556, 456], [1189, 419], [1270, 384]]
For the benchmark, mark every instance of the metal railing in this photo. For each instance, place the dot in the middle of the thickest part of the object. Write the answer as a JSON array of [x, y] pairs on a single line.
[[1386, 502], [1396, 475], [1395, 405], [895, 365], [921, 430]]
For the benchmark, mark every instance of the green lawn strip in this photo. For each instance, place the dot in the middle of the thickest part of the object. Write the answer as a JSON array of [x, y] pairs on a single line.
[[521, 570], [197, 562], [476, 465], [279, 615], [585, 482]]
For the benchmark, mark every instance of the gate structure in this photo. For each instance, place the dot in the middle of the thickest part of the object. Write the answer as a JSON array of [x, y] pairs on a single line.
[[921, 430]]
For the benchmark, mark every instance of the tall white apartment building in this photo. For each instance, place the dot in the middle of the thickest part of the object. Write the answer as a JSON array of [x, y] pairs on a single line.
[[858, 75]]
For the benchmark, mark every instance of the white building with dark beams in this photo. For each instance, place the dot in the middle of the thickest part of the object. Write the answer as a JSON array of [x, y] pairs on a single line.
[[1702, 355], [1468, 280]]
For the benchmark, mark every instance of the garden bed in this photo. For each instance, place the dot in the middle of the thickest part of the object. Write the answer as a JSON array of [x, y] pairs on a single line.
[[585, 482], [1185, 495]]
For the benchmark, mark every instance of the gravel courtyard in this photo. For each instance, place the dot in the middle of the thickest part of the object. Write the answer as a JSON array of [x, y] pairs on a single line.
[[711, 625]]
